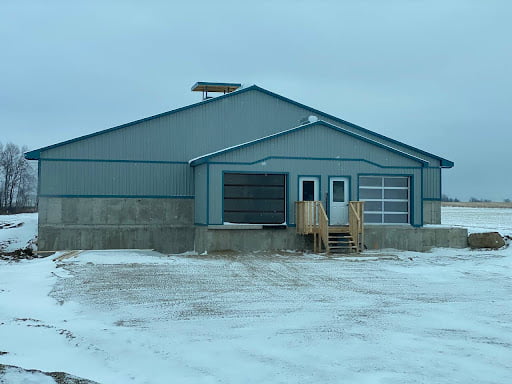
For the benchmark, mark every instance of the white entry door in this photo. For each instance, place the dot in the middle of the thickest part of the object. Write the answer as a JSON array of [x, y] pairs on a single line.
[[338, 200]]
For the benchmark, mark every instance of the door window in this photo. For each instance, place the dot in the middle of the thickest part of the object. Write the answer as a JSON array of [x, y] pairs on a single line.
[[338, 191]]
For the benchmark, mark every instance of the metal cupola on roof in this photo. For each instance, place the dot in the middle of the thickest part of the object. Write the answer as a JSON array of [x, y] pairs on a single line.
[[205, 87]]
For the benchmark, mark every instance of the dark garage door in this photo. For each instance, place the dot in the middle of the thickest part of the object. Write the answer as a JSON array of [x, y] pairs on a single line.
[[254, 198]]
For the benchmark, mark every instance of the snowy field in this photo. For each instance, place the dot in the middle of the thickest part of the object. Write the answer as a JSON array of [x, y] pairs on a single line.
[[385, 317], [17, 231]]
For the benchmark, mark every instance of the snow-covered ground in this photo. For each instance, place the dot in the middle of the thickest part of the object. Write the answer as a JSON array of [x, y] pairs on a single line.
[[17, 231], [385, 317], [479, 219]]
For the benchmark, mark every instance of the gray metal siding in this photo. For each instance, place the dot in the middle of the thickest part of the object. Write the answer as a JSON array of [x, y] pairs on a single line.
[[97, 178], [201, 193], [432, 183], [189, 133], [180, 136], [295, 168], [196, 131], [317, 142]]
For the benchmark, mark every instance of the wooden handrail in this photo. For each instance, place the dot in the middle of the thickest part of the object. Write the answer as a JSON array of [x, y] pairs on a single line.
[[323, 223], [311, 218], [356, 223]]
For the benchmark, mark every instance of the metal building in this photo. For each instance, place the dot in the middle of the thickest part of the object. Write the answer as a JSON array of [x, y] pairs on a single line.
[[226, 173]]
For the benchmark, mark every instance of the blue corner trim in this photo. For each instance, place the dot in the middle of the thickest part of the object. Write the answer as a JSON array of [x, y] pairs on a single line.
[[208, 193], [205, 158], [36, 154]]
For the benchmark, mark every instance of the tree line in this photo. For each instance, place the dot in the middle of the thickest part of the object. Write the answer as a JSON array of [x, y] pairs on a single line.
[[17, 179], [471, 199]]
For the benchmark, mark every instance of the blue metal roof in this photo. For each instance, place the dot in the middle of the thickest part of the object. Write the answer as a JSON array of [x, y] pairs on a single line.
[[36, 154], [206, 157]]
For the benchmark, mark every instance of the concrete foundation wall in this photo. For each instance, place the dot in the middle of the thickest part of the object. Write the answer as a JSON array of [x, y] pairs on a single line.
[[208, 239], [165, 225], [376, 237], [432, 212], [414, 239]]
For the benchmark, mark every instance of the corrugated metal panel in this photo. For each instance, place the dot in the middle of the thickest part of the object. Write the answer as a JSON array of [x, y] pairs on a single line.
[[97, 178], [180, 136], [189, 133], [432, 183], [199, 130], [201, 185], [295, 168], [317, 142]]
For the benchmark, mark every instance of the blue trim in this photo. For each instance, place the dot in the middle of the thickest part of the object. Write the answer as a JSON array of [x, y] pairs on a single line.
[[431, 199], [124, 196], [287, 199], [116, 161], [411, 198], [328, 202], [205, 158], [440, 185], [35, 154], [307, 158], [319, 177], [208, 194], [444, 162], [200, 224], [38, 177]]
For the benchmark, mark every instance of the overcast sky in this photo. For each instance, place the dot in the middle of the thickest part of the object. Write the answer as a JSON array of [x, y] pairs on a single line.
[[434, 74]]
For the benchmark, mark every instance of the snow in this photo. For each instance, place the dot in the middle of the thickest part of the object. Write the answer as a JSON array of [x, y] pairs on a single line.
[[18, 376], [17, 231], [479, 219], [137, 316]]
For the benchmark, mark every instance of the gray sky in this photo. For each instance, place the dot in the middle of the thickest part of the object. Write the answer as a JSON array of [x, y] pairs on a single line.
[[434, 74]]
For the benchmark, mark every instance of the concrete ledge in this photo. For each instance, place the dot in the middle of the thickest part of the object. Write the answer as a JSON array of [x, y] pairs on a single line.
[[235, 226], [264, 239], [403, 237], [414, 239], [163, 238]]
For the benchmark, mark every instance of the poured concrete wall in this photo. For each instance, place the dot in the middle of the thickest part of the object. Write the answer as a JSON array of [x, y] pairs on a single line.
[[414, 239], [222, 238], [218, 238], [431, 212], [165, 225]]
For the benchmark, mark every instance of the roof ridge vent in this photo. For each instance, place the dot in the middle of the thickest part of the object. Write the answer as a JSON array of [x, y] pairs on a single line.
[[205, 87]]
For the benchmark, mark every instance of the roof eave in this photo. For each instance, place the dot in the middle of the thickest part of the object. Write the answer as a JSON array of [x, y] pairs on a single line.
[[447, 163], [33, 155]]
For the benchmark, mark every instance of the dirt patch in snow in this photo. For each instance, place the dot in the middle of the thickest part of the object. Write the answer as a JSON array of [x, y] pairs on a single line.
[[59, 377]]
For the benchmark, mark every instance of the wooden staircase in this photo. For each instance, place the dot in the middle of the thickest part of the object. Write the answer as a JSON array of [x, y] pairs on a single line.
[[339, 240], [310, 218]]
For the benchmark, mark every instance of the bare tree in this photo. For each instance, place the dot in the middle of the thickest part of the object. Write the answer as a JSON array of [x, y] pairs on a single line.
[[17, 177]]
